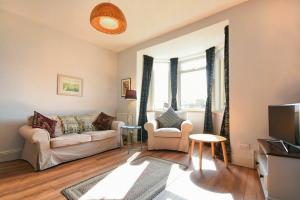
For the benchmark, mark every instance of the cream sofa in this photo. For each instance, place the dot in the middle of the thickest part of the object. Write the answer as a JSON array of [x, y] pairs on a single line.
[[169, 138], [43, 152]]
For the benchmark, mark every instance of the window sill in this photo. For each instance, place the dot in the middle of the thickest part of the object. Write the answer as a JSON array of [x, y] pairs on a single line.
[[193, 111]]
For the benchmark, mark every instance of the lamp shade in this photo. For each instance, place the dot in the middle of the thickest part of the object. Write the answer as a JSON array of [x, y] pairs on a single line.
[[108, 18], [130, 94]]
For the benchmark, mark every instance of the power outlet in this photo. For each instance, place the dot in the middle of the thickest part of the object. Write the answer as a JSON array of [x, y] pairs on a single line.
[[245, 147]]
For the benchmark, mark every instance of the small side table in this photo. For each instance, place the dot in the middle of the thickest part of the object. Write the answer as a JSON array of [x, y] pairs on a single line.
[[131, 129], [208, 138]]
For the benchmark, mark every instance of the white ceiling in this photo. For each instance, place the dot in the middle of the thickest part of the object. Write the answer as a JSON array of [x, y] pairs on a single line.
[[146, 19], [190, 44]]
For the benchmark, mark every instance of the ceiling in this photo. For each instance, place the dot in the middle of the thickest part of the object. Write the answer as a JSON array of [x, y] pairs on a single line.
[[190, 44], [146, 19]]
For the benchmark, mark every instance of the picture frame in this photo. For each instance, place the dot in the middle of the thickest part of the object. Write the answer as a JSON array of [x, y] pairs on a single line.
[[69, 85], [125, 85]]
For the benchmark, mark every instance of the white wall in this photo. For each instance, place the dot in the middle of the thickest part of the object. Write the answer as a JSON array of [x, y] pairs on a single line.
[[264, 65], [31, 56]]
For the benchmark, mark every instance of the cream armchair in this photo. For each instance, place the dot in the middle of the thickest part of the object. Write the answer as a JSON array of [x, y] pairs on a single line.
[[168, 138]]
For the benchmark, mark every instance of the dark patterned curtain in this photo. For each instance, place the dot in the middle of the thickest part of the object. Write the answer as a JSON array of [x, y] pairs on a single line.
[[210, 62], [147, 71], [225, 129], [174, 67]]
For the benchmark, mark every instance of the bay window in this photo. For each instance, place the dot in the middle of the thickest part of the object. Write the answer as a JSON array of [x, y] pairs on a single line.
[[192, 84]]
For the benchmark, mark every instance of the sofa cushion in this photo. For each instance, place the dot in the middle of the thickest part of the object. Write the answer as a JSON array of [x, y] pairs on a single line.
[[69, 139], [103, 122], [169, 119], [40, 121], [101, 135], [167, 132], [70, 124], [86, 122]]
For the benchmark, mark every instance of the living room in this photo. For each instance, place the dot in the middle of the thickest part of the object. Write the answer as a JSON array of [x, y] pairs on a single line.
[[60, 66]]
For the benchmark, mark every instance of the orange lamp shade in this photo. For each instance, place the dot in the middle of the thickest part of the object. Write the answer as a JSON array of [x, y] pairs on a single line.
[[108, 18]]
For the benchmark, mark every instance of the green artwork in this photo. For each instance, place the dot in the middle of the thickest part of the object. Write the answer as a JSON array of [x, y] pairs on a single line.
[[68, 85], [71, 87]]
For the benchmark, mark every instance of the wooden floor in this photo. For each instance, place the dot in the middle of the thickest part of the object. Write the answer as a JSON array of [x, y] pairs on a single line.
[[18, 180]]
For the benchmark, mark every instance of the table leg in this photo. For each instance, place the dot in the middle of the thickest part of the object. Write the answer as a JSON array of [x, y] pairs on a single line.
[[192, 149], [121, 133], [224, 153], [200, 155], [129, 135], [212, 149]]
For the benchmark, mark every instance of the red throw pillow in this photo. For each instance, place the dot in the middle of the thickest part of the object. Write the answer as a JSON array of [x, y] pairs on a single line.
[[103, 122], [40, 121]]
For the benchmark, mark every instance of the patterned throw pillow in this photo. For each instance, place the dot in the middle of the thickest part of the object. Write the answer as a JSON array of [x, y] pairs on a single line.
[[58, 128], [169, 119], [86, 122], [103, 122], [40, 121], [70, 124], [178, 124]]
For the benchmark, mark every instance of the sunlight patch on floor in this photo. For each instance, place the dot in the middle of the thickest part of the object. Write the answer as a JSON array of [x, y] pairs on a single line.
[[206, 164], [116, 184], [184, 189], [175, 172], [133, 156]]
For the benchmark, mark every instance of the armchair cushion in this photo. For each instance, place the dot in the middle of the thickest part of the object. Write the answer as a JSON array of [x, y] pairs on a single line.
[[167, 132], [169, 119]]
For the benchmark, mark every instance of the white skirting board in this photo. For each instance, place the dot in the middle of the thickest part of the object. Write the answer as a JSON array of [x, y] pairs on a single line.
[[12, 154]]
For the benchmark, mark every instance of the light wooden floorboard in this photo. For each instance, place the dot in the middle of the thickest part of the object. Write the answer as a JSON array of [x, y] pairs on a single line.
[[18, 180]]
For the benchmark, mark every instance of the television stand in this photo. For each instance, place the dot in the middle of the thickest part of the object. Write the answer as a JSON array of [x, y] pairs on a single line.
[[278, 169], [281, 142]]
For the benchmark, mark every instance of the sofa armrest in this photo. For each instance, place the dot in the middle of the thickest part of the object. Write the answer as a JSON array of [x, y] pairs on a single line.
[[116, 125], [150, 126], [186, 126], [34, 135]]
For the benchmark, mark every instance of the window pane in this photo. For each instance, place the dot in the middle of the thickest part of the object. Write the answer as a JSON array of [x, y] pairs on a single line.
[[193, 64], [193, 89], [160, 84]]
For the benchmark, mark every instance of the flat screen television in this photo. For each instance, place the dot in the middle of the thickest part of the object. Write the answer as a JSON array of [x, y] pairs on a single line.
[[284, 123]]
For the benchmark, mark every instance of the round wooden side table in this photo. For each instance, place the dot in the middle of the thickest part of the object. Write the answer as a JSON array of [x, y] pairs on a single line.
[[207, 138]]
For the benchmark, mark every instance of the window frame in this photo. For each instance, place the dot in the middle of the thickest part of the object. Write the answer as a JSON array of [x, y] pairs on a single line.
[[179, 72]]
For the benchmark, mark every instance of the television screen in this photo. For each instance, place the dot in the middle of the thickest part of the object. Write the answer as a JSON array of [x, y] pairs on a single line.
[[284, 123]]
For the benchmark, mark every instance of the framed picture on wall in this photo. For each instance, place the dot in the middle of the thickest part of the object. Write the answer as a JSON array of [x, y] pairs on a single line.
[[69, 85], [125, 85]]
